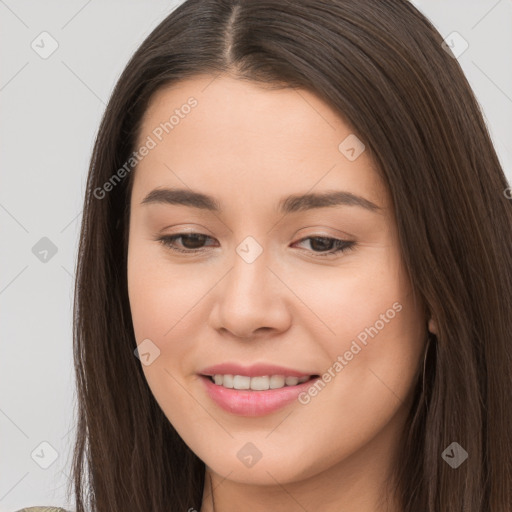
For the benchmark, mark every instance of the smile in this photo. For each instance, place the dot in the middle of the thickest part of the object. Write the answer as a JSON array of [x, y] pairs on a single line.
[[259, 383], [255, 402]]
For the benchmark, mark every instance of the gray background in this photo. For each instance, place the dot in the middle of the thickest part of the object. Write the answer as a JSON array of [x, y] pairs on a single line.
[[50, 112]]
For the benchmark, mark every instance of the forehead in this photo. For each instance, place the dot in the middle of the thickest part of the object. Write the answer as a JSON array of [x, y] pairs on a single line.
[[247, 140]]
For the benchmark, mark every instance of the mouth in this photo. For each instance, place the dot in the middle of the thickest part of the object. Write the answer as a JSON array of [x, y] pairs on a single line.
[[254, 390], [259, 395], [257, 383]]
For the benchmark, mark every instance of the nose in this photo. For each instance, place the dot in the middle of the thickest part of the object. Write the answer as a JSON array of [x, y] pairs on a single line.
[[251, 300]]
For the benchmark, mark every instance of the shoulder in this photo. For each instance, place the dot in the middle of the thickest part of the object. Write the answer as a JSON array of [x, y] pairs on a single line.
[[42, 509]]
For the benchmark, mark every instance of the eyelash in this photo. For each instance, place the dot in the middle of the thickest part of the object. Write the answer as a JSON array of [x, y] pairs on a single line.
[[341, 245]]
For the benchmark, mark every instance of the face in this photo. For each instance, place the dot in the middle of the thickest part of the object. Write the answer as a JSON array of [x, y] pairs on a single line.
[[258, 285]]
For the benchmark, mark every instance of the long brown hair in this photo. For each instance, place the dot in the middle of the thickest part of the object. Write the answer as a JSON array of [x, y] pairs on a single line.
[[380, 64]]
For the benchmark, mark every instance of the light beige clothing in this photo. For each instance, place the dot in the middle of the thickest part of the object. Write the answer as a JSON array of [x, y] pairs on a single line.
[[42, 509]]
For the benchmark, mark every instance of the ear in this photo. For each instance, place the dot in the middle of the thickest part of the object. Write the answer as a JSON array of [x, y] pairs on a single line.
[[432, 326]]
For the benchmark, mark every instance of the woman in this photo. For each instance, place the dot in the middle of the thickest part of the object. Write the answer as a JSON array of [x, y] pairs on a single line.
[[297, 222]]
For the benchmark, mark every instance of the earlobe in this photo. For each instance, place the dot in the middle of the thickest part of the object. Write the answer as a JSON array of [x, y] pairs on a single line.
[[432, 326]]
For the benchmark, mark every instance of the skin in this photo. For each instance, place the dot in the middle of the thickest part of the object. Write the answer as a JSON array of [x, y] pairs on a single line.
[[249, 146]]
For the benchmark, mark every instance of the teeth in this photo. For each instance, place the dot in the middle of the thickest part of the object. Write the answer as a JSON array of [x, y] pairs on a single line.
[[276, 381], [257, 383], [260, 383], [227, 381], [240, 382]]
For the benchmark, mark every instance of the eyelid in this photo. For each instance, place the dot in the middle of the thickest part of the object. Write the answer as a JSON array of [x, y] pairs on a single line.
[[183, 230], [318, 233]]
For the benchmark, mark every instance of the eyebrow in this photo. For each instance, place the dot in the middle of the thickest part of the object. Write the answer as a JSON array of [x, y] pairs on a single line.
[[291, 204]]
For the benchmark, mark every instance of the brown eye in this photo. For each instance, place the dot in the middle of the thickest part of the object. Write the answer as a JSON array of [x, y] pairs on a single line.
[[323, 246], [191, 242]]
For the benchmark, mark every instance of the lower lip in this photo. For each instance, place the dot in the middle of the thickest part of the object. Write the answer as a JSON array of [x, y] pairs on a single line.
[[254, 403]]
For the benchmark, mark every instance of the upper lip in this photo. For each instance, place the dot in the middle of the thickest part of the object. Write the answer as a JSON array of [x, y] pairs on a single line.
[[255, 370]]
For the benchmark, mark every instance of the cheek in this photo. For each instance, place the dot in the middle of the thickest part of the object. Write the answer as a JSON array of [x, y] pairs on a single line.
[[373, 334], [161, 294], [376, 356], [366, 288], [161, 302], [373, 359], [167, 309]]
